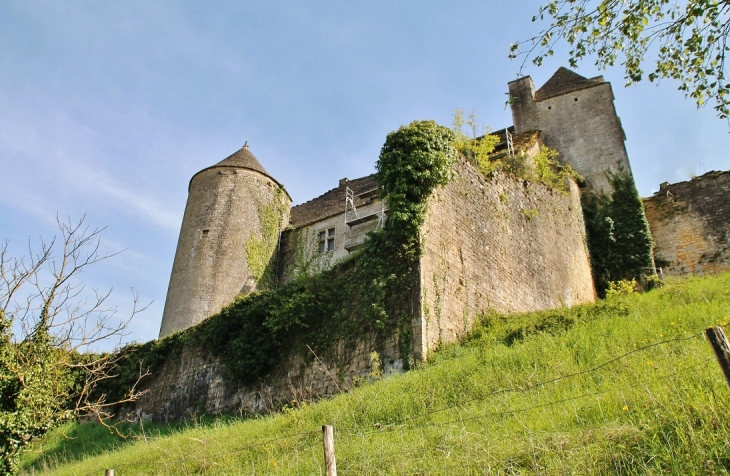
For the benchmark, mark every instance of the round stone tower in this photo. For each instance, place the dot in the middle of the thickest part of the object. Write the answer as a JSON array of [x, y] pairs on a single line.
[[228, 239]]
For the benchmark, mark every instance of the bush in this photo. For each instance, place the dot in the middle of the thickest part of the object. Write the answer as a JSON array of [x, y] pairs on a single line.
[[621, 288]]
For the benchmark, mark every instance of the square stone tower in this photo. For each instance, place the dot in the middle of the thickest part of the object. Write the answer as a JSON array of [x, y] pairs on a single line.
[[577, 117]]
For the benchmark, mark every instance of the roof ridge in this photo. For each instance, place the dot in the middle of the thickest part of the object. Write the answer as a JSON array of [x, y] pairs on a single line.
[[564, 81], [332, 190], [330, 203]]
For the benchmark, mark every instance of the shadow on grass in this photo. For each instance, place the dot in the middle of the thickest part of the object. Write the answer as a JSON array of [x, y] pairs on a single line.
[[76, 441]]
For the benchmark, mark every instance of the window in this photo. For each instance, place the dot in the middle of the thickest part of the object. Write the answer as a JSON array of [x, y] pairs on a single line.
[[326, 240]]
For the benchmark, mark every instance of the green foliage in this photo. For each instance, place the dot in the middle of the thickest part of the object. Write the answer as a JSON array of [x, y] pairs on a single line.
[[306, 259], [414, 160], [46, 321], [134, 360], [530, 213], [551, 172], [260, 249], [377, 366], [35, 391], [686, 39], [653, 282], [517, 165], [370, 294], [626, 386], [72, 441], [476, 144], [621, 288], [543, 168], [618, 234]]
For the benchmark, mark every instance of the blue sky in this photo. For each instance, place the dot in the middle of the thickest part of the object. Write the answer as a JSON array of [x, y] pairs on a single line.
[[108, 108]]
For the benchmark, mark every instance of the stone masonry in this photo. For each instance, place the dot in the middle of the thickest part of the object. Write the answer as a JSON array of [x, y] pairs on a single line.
[[690, 223], [222, 213], [194, 383], [490, 244], [500, 244], [577, 118]]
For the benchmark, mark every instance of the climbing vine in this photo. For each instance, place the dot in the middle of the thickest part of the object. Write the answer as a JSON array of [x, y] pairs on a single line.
[[260, 249], [619, 240]]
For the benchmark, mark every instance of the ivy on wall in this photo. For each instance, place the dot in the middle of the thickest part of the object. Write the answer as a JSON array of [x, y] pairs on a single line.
[[372, 293], [619, 240], [259, 249]]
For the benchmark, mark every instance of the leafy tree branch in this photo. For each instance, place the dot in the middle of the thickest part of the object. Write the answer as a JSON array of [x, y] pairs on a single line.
[[686, 41]]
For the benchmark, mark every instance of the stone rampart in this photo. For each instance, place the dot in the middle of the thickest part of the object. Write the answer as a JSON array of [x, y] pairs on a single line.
[[194, 383], [690, 223], [499, 244]]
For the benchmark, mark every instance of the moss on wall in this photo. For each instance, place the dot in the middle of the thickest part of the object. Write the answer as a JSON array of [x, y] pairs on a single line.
[[260, 249]]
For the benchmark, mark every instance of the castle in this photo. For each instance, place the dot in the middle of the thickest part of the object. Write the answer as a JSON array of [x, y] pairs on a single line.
[[497, 243], [236, 208]]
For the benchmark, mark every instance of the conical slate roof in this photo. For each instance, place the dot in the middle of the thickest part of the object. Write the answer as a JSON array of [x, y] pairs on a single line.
[[564, 81], [243, 158]]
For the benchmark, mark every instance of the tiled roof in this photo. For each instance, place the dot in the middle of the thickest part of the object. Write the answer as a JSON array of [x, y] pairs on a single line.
[[330, 203], [564, 81]]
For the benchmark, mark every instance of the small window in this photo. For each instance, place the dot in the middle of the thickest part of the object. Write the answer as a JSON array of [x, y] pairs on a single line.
[[326, 240], [205, 232]]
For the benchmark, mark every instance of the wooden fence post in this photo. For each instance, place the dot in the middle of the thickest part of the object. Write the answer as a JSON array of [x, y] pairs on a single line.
[[328, 437], [720, 345]]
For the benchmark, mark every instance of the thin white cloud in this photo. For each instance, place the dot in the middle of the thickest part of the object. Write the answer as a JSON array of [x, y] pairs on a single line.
[[43, 168], [124, 198]]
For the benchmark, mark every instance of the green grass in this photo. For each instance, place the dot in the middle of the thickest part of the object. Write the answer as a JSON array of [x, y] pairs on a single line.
[[626, 386]]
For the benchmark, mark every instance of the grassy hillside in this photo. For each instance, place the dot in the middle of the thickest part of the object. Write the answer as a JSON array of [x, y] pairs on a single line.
[[626, 386]]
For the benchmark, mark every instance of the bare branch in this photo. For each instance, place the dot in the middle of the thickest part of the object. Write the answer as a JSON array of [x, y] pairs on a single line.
[[46, 368]]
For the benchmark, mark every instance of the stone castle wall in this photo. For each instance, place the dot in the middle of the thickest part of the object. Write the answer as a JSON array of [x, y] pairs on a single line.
[[502, 244], [194, 383], [498, 244], [690, 224], [222, 213]]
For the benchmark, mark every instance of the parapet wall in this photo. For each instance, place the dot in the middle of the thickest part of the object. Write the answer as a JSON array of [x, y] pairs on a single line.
[[499, 244], [690, 223]]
